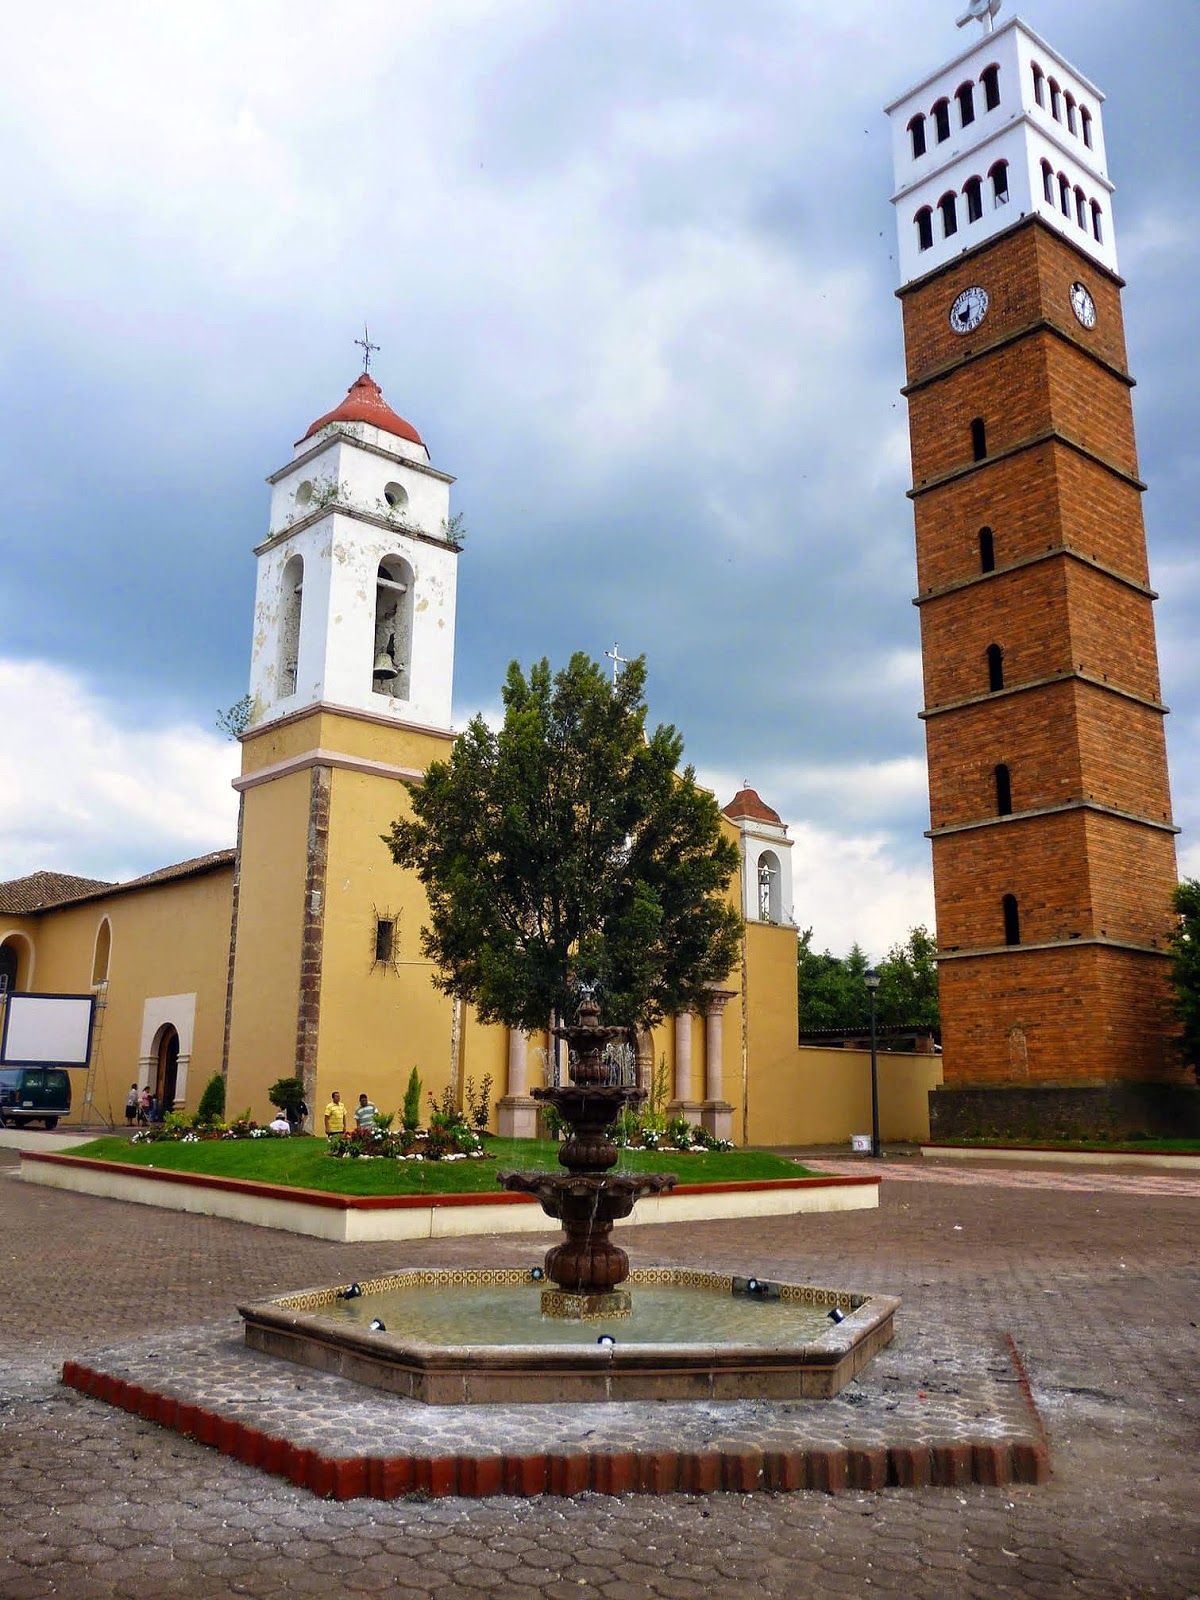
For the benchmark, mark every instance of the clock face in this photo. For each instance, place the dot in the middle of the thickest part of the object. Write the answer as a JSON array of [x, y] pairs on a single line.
[[1083, 305], [969, 310]]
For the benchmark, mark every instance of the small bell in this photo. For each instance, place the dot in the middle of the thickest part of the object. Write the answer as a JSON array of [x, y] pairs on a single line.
[[385, 668]]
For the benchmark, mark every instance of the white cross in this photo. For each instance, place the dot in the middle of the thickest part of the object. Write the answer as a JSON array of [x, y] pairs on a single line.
[[617, 659]]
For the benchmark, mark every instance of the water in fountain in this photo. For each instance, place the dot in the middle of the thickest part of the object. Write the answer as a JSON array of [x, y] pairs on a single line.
[[587, 1267]]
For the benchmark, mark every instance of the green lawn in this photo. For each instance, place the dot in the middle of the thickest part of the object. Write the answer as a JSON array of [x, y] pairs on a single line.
[[303, 1163]]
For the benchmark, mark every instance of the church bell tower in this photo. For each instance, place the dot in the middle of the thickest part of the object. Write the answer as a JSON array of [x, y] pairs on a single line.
[[351, 672], [1050, 813]]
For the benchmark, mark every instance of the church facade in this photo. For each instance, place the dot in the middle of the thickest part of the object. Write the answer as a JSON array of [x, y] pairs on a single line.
[[297, 951]]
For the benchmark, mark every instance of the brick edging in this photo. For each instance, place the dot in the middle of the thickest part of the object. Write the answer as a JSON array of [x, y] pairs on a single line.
[[403, 1202], [738, 1469]]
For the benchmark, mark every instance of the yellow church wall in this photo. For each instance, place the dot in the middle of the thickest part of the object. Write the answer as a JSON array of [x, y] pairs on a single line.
[[769, 995], [359, 737], [822, 1096], [266, 990], [168, 948], [484, 1052], [377, 1021]]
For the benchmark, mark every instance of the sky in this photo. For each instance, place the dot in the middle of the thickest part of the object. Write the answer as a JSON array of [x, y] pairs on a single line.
[[631, 269]]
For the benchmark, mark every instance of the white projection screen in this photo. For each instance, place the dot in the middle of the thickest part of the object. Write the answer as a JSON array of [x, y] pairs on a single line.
[[47, 1030]]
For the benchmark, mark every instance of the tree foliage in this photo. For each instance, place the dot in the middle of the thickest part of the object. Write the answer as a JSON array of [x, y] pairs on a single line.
[[1185, 968], [567, 846], [212, 1101], [833, 991]]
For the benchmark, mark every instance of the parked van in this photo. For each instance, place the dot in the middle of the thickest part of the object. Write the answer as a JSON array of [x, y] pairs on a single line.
[[34, 1094]]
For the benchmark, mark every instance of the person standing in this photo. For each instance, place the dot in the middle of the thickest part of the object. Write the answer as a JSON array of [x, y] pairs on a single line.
[[145, 1106], [364, 1115], [335, 1114], [132, 1101]]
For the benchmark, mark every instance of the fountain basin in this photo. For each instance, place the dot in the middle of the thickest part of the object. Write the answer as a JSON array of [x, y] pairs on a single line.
[[462, 1336]]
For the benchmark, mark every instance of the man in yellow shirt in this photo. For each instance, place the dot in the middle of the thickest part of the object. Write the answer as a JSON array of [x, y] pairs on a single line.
[[335, 1114]]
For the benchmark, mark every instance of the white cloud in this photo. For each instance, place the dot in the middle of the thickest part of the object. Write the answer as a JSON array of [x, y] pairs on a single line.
[[85, 793]]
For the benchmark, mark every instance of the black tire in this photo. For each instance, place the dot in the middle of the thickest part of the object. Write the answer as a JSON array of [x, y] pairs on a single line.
[[51, 1122]]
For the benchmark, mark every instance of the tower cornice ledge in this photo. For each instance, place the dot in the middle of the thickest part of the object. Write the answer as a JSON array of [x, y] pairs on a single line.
[[1053, 944], [1014, 336], [979, 252], [1044, 436], [337, 509], [1050, 811], [371, 449], [1049, 554], [1042, 683]]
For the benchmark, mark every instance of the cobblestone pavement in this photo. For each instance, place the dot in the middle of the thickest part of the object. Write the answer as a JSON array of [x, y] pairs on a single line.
[[1090, 1180], [1098, 1288]]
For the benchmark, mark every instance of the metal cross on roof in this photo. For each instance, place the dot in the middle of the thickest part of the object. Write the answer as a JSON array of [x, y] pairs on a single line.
[[617, 659], [367, 348]]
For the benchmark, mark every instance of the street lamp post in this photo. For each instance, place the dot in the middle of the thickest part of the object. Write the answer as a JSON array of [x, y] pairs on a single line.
[[871, 979]]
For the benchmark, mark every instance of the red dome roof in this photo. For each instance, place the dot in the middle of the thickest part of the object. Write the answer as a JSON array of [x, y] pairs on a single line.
[[748, 803], [364, 402]]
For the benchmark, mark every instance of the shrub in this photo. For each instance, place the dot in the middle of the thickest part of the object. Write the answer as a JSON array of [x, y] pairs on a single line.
[[212, 1102], [679, 1133], [479, 1102], [288, 1095], [411, 1115]]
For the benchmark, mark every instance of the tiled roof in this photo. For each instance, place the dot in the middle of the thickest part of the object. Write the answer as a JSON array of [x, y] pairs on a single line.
[[747, 803], [40, 890], [43, 891]]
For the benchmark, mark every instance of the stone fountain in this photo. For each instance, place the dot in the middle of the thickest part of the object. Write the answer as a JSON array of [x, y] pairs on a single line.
[[587, 1268]]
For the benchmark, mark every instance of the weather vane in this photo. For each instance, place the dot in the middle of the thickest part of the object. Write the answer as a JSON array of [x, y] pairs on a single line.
[[617, 659], [367, 348], [981, 11]]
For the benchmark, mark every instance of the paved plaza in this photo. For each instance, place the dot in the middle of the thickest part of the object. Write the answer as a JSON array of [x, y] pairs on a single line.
[[1091, 1275]]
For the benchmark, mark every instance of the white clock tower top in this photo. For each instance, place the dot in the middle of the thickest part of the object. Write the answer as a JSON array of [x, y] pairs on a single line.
[[1006, 130], [354, 607]]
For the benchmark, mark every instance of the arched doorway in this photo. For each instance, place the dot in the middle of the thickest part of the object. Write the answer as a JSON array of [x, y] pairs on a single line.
[[166, 1067], [8, 967]]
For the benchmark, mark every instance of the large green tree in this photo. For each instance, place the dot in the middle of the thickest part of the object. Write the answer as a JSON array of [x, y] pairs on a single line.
[[568, 846], [1185, 968]]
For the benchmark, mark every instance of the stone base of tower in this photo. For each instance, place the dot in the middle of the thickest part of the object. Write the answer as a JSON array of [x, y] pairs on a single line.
[[1021, 1113], [1085, 1015]]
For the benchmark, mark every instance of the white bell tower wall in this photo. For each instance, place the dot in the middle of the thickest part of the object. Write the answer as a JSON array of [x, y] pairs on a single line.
[[974, 143], [355, 502]]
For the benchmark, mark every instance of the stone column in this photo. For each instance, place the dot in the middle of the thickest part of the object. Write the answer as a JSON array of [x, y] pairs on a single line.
[[683, 1105], [516, 1112], [716, 1113]]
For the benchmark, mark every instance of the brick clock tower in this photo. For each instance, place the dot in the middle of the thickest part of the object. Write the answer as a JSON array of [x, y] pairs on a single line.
[[1050, 811]]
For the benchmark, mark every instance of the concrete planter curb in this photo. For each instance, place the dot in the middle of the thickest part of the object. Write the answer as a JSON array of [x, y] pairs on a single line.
[[1162, 1160], [352, 1219]]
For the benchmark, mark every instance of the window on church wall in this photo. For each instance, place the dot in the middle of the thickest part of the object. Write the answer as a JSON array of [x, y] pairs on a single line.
[[948, 206], [1048, 181], [995, 667], [916, 133], [1085, 123], [1097, 230], [102, 953], [1039, 85], [385, 939], [924, 221], [391, 657], [1055, 100], [1003, 790], [987, 551], [291, 601], [998, 173], [1064, 194], [978, 439], [1081, 210], [1012, 919], [965, 95], [973, 190], [990, 79], [770, 900], [1072, 124], [941, 120]]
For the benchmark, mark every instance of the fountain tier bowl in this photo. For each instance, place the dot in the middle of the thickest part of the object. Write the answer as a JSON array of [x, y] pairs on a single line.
[[462, 1336]]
